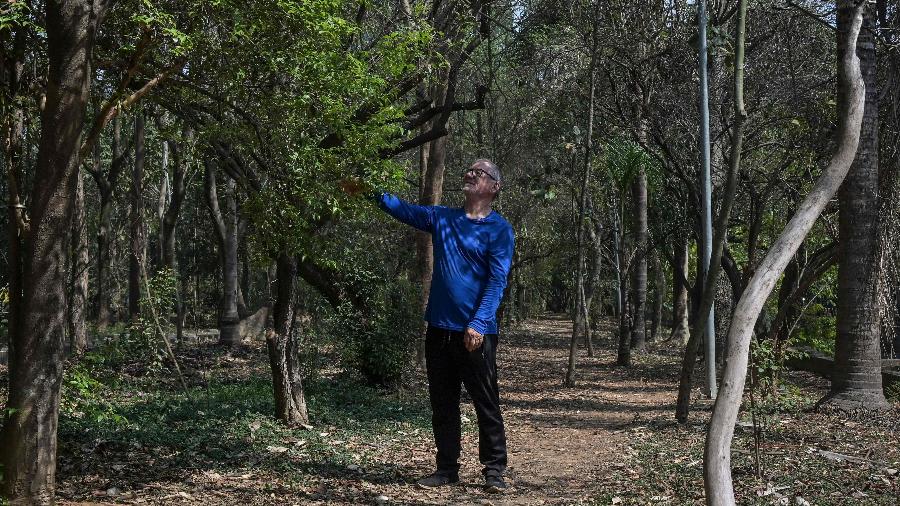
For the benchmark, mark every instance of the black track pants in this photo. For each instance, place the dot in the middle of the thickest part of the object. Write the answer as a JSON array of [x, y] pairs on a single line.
[[449, 364]]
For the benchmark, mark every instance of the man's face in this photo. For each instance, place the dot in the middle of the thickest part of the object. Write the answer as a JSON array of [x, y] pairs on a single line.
[[478, 181]]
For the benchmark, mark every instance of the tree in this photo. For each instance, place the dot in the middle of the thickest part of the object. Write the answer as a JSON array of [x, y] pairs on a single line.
[[581, 324], [41, 240], [38, 327], [136, 227], [225, 227], [720, 228], [106, 186], [856, 381], [78, 270], [851, 104]]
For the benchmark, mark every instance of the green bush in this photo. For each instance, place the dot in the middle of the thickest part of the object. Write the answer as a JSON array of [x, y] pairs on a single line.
[[142, 340], [817, 329], [84, 395], [379, 345]]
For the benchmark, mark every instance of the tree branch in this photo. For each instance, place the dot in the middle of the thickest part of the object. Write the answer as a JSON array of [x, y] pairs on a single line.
[[114, 107]]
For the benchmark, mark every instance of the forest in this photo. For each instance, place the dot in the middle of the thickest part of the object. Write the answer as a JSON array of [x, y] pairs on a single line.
[[203, 300]]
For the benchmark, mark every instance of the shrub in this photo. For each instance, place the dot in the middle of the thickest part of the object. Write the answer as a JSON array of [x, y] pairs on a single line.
[[379, 345]]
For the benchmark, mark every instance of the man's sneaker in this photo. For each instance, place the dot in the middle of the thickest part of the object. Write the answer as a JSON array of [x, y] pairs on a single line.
[[494, 484], [437, 479]]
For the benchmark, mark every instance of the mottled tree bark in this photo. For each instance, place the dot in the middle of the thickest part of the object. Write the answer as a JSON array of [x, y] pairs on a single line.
[[37, 335], [78, 270], [281, 342]]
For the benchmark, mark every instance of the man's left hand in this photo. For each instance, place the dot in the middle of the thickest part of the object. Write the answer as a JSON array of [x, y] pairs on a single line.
[[473, 340]]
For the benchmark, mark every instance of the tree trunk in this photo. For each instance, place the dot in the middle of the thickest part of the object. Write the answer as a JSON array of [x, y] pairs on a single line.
[[106, 185], [639, 223], [162, 202], [659, 295], [720, 233], [433, 156], [595, 229], [136, 220], [170, 222], [680, 327], [639, 270], [79, 271], [617, 264], [37, 335], [281, 342], [225, 226], [623, 355], [851, 102], [856, 382], [581, 323]]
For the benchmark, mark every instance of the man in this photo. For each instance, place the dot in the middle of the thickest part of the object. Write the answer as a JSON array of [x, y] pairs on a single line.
[[473, 250]]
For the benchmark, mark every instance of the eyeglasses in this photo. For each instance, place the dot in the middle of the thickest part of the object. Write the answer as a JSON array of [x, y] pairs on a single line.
[[478, 173]]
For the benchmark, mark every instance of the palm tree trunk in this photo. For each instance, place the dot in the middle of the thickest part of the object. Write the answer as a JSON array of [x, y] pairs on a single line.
[[639, 272], [856, 382]]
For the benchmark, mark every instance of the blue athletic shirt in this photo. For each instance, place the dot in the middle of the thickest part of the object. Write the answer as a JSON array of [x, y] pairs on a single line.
[[472, 258]]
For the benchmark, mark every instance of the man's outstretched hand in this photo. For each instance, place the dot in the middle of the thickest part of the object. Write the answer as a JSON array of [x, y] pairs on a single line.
[[472, 340]]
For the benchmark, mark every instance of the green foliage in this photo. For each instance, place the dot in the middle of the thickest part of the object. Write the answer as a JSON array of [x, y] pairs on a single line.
[[818, 331], [84, 396], [764, 363], [15, 14], [153, 17], [892, 391], [226, 424], [142, 338], [379, 345], [324, 108], [624, 159]]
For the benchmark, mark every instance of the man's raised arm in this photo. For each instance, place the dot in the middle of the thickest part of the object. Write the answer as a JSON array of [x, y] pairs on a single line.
[[421, 217]]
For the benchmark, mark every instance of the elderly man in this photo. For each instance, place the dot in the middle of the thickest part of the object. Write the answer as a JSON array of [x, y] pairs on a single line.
[[473, 250]]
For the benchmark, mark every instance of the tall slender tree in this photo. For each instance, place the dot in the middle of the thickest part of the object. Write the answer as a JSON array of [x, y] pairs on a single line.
[[136, 227]]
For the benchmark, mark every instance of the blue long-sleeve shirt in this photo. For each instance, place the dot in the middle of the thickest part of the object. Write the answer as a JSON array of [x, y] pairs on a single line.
[[472, 258]]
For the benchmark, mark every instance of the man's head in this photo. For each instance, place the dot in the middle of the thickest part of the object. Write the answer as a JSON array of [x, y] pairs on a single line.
[[482, 179]]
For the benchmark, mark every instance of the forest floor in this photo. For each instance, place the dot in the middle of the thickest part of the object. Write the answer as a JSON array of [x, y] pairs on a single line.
[[611, 439]]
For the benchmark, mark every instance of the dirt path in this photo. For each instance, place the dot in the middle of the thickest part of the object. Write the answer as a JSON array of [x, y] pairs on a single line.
[[563, 442], [567, 445]]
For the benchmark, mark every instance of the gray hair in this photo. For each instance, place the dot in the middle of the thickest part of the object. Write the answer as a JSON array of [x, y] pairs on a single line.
[[491, 168]]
